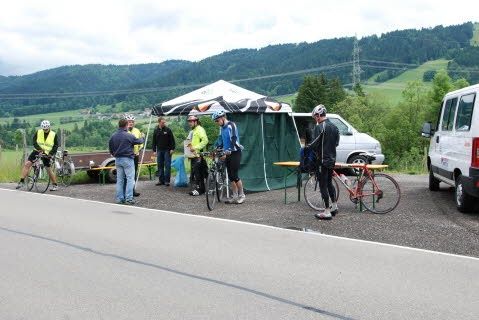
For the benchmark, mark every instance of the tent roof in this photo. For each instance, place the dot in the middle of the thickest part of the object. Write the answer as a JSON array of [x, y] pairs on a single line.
[[220, 95], [220, 88]]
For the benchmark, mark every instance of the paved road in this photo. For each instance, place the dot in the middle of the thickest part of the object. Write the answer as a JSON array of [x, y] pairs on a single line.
[[72, 259]]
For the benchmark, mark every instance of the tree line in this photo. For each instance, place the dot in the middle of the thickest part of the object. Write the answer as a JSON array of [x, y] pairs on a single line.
[[402, 46]]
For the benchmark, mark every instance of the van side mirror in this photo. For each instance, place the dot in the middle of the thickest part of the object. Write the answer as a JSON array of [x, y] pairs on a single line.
[[349, 132], [427, 130]]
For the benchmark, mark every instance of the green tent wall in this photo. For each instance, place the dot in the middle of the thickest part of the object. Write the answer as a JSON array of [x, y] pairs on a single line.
[[267, 138]]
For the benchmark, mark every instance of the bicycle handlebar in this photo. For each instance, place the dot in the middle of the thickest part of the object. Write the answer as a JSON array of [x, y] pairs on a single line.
[[217, 152]]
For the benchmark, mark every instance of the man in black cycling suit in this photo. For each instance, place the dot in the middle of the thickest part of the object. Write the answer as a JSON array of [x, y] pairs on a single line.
[[325, 141]]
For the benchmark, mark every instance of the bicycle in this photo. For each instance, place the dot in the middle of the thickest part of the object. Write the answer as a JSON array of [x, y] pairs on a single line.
[[217, 180], [377, 192], [65, 169], [38, 176]]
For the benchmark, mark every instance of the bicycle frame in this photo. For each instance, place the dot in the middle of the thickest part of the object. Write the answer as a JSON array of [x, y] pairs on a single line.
[[356, 193]]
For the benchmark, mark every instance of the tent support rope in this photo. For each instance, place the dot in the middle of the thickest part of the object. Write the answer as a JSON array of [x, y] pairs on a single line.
[[264, 158]]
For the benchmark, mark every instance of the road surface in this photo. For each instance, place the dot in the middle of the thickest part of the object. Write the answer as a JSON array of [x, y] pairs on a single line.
[[66, 258]]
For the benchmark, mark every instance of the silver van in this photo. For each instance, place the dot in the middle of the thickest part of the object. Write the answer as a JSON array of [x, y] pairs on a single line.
[[352, 143]]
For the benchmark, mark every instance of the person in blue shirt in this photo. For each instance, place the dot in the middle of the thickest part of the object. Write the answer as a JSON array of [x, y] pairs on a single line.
[[121, 147], [229, 142]]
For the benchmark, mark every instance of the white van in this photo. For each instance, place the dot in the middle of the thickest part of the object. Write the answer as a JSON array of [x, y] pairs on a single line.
[[352, 144], [453, 156]]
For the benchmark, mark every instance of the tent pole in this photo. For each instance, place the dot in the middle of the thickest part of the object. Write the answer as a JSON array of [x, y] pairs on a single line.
[[297, 133], [264, 158], [144, 148]]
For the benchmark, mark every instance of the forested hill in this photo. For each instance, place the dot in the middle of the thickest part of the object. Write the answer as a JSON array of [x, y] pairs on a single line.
[[331, 57]]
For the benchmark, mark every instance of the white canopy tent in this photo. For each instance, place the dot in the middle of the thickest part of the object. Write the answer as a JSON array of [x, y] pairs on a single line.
[[267, 129]]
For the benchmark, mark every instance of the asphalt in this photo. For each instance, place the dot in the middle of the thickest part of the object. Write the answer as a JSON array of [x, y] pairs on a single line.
[[423, 219], [66, 258]]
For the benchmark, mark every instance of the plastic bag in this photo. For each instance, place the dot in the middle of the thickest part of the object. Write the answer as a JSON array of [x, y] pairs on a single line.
[[179, 165]]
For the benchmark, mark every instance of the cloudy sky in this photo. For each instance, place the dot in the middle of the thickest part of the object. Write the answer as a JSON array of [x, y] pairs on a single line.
[[37, 35]]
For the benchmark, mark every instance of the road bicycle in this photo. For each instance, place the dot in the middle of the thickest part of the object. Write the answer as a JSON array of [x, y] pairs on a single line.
[[38, 176], [376, 192], [217, 180], [64, 167]]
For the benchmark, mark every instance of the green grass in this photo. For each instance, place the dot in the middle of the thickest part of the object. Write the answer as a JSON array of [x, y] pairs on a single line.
[[392, 89], [287, 98], [10, 165], [475, 35]]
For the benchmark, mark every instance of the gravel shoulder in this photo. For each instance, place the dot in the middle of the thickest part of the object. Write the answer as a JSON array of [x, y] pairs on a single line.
[[423, 219]]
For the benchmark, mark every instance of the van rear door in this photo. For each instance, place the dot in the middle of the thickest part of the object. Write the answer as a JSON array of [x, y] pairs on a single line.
[[460, 156], [441, 142]]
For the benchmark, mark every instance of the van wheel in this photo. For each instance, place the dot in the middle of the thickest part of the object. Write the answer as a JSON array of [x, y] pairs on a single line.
[[111, 174], [357, 159], [433, 182], [464, 201]]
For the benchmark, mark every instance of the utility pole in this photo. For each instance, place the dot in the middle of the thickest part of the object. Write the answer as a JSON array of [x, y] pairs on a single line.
[[356, 68]]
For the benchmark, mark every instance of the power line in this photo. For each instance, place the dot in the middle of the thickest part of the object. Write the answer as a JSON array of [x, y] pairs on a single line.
[[84, 94], [60, 95]]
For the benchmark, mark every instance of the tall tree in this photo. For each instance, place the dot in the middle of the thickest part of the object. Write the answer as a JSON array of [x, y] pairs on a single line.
[[312, 92]]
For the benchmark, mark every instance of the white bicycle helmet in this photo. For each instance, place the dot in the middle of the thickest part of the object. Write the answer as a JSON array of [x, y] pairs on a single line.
[[319, 110], [45, 124], [129, 117]]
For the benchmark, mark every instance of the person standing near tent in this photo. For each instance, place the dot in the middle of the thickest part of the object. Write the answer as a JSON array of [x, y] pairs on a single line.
[[121, 147], [325, 140], [163, 146], [136, 148], [198, 140], [229, 142], [45, 141]]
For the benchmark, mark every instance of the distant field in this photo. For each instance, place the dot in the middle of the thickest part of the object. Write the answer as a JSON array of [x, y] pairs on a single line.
[[475, 35], [287, 98], [55, 117], [392, 89]]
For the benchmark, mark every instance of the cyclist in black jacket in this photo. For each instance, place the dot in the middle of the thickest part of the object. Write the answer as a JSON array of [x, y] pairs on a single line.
[[325, 141]]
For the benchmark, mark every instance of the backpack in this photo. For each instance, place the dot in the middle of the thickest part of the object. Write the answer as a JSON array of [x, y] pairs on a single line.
[[307, 160]]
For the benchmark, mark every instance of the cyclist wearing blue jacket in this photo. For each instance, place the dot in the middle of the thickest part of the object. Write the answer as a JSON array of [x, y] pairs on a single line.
[[229, 141]]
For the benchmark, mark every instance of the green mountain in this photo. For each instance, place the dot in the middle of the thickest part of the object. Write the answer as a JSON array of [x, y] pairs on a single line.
[[147, 84]]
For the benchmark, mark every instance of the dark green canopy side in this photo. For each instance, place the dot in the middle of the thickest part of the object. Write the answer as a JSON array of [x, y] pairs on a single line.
[[267, 138]]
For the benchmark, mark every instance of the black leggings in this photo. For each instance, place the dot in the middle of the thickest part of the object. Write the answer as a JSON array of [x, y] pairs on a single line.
[[326, 185], [232, 165], [199, 171]]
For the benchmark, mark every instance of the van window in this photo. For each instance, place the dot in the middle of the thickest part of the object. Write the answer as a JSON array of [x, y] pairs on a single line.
[[436, 125], [448, 115], [342, 127], [464, 112]]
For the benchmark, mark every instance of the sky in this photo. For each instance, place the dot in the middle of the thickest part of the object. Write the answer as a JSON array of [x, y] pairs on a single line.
[[42, 34]]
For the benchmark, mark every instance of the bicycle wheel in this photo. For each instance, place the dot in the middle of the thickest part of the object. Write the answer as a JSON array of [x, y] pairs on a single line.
[[30, 180], [221, 185], [312, 193], [42, 179], [380, 194], [67, 173], [211, 190]]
